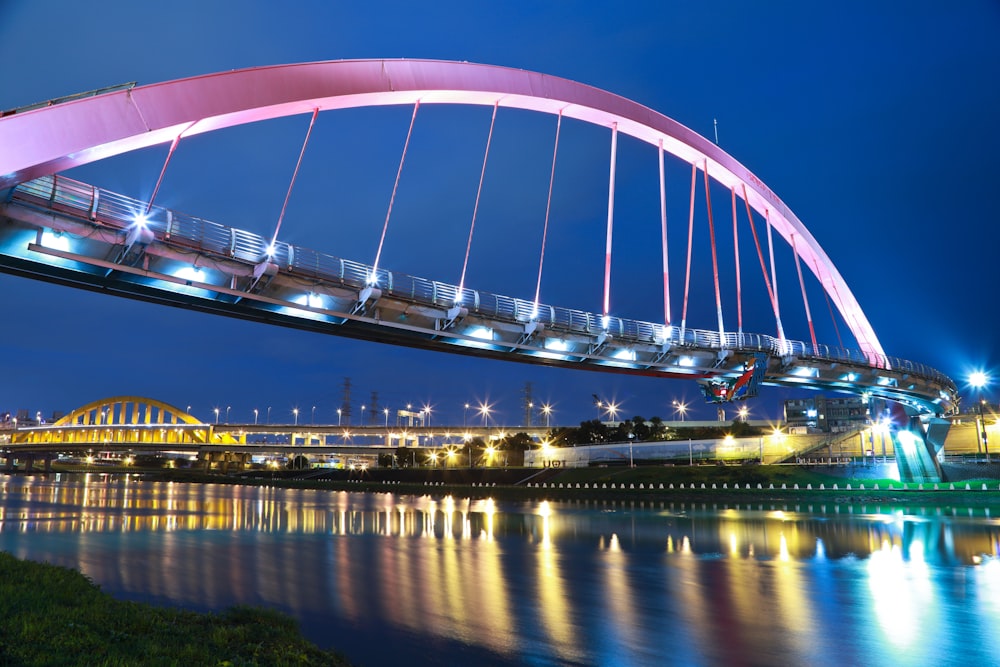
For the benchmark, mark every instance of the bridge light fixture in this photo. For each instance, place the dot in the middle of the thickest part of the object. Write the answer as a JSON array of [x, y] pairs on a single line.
[[140, 220], [55, 240], [605, 321], [270, 250]]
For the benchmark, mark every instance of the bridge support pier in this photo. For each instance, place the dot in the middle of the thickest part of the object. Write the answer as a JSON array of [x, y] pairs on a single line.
[[10, 466], [917, 445]]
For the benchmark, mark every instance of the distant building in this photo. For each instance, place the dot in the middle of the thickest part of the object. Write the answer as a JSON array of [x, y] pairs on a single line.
[[829, 415]]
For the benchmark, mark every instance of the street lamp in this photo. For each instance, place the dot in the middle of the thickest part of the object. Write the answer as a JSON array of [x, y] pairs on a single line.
[[340, 413], [228, 408], [743, 412], [612, 409], [465, 417], [255, 413], [363, 415], [216, 415], [386, 412], [547, 411], [295, 411], [484, 410], [312, 419], [978, 380], [680, 408], [188, 410], [269, 414], [427, 411]]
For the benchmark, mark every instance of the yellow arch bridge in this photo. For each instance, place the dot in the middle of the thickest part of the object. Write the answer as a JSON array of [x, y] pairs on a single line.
[[134, 424]]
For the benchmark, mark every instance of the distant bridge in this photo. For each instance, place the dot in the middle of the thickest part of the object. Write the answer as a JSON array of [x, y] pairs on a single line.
[[132, 424]]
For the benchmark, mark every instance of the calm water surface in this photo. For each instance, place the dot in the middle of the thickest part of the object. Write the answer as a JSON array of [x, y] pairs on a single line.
[[431, 580]]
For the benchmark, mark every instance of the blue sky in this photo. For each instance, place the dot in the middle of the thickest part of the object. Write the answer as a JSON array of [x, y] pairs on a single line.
[[874, 123]]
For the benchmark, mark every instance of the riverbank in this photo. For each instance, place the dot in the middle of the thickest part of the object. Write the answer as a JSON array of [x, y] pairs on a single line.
[[753, 483], [52, 615]]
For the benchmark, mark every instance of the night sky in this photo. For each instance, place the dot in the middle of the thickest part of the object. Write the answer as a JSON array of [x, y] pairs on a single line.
[[876, 123]]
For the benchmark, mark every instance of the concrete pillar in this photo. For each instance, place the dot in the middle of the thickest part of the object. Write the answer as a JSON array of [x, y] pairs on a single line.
[[48, 464]]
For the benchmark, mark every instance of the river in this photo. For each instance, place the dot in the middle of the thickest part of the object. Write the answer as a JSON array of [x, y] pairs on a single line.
[[438, 580]]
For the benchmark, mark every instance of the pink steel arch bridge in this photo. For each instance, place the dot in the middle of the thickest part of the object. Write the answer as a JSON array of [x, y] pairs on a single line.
[[65, 231]]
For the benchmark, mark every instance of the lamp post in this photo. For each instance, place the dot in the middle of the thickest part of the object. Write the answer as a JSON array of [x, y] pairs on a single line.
[[269, 414], [386, 412], [340, 413], [484, 410], [547, 411], [312, 419], [295, 411], [465, 417], [228, 408], [216, 415], [255, 413], [680, 408], [979, 380], [982, 429]]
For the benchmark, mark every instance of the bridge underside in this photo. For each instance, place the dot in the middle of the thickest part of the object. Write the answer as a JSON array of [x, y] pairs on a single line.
[[62, 231]]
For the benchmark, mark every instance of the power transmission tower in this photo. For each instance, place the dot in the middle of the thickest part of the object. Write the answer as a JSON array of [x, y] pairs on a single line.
[[345, 406], [529, 405]]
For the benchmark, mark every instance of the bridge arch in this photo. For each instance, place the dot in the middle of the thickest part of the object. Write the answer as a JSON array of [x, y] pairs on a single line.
[[125, 411], [50, 139]]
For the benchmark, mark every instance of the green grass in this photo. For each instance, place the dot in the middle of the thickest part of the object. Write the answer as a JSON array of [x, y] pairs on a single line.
[[53, 615]]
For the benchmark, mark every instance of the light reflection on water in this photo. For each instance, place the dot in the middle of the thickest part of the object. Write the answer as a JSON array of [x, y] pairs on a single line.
[[442, 580]]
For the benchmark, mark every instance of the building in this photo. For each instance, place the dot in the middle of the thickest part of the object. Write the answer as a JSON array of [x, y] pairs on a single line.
[[829, 415]]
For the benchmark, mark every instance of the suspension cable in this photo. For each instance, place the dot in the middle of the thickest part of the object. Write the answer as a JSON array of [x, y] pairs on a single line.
[[774, 275], [736, 252], [805, 299], [295, 173], [663, 230], [829, 304], [611, 218], [479, 191], [402, 158], [715, 261], [170, 154], [687, 273], [548, 206], [763, 266]]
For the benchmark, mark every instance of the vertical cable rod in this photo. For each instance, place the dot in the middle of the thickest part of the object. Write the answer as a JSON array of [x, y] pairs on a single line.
[[373, 278], [774, 275], [663, 234], [736, 252], [687, 273], [763, 265], [548, 207], [170, 154], [611, 218], [805, 299], [295, 173], [829, 304], [479, 191], [715, 260]]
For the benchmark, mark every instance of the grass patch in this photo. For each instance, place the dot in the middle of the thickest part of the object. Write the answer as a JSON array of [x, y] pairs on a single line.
[[52, 615]]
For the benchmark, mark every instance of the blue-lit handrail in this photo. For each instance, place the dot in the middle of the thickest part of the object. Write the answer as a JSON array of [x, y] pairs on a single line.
[[119, 212]]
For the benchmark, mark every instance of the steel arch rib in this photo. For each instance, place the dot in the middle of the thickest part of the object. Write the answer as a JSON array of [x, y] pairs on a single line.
[[50, 139]]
